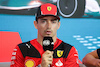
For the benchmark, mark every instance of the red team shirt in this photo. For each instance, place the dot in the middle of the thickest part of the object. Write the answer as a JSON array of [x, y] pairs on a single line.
[[29, 54]]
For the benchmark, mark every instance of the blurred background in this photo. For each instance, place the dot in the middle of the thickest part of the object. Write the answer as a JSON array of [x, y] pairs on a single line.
[[80, 24]]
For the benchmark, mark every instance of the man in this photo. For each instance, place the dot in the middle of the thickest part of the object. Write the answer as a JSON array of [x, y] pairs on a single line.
[[92, 59], [32, 54]]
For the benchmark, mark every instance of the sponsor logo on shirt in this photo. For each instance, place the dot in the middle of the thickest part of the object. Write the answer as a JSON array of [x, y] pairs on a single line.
[[13, 57], [77, 61], [12, 62], [29, 46], [29, 63], [59, 53], [59, 63], [46, 42]]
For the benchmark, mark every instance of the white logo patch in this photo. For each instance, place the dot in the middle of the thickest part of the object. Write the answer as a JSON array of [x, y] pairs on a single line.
[[59, 63], [46, 42]]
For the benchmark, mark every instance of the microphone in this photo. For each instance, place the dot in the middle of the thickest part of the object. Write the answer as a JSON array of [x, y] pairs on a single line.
[[48, 43]]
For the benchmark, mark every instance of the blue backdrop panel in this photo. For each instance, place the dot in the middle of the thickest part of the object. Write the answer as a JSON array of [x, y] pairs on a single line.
[[83, 33]]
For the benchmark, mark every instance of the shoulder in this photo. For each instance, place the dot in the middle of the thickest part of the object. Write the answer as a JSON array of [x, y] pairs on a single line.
[[66, 45], [24, 44], [67, 48], [97, 52]]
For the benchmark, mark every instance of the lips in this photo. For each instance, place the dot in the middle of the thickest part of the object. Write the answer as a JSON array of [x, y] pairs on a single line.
[[48, 32]]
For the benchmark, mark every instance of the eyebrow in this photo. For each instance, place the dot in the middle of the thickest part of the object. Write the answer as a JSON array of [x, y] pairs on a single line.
[[51, 19], [43, 19], [54, 19]]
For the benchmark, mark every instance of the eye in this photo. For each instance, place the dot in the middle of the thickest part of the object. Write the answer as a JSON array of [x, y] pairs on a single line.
[[43, 21], [54, 21]]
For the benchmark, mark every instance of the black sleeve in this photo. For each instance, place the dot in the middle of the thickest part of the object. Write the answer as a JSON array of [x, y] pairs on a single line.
[[98, 52]]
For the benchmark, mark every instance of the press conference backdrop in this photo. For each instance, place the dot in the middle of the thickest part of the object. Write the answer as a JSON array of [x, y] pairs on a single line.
[[83, 33]]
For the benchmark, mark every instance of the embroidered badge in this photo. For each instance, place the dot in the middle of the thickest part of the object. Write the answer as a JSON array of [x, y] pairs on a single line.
[[29, 63], [59, 53], [49, 8]]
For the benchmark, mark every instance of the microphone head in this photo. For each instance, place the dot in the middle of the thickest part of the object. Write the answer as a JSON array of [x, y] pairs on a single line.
[[48, 43]]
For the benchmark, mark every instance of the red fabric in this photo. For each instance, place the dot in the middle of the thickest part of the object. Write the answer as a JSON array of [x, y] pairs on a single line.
[[57, 43], [17, 59], [8, 41], [37, 46], [47, 9], [72, 59], [20, 61]]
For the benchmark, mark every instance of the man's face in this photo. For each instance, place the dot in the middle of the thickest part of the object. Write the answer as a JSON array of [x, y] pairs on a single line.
[[47, 26]]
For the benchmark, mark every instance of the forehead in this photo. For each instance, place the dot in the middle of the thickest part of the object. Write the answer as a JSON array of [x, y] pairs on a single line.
[[48, 17]]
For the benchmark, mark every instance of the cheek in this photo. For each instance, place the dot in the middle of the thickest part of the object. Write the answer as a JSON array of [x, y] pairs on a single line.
[[55, 27], [41, 25], [41, 28]]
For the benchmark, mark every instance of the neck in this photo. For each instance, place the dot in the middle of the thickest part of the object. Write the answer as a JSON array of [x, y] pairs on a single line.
[[40, 39]]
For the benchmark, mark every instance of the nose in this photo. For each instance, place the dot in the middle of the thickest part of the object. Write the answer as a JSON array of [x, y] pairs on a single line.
[[49, 24]]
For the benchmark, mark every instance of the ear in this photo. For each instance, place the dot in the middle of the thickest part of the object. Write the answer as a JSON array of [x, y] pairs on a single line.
[[58, 25], [35, 24]]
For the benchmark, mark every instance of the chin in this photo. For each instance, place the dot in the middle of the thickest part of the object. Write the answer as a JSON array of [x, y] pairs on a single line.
[[47, 36]]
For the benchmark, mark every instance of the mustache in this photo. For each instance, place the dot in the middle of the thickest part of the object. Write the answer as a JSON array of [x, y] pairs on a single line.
[[47, 30]]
